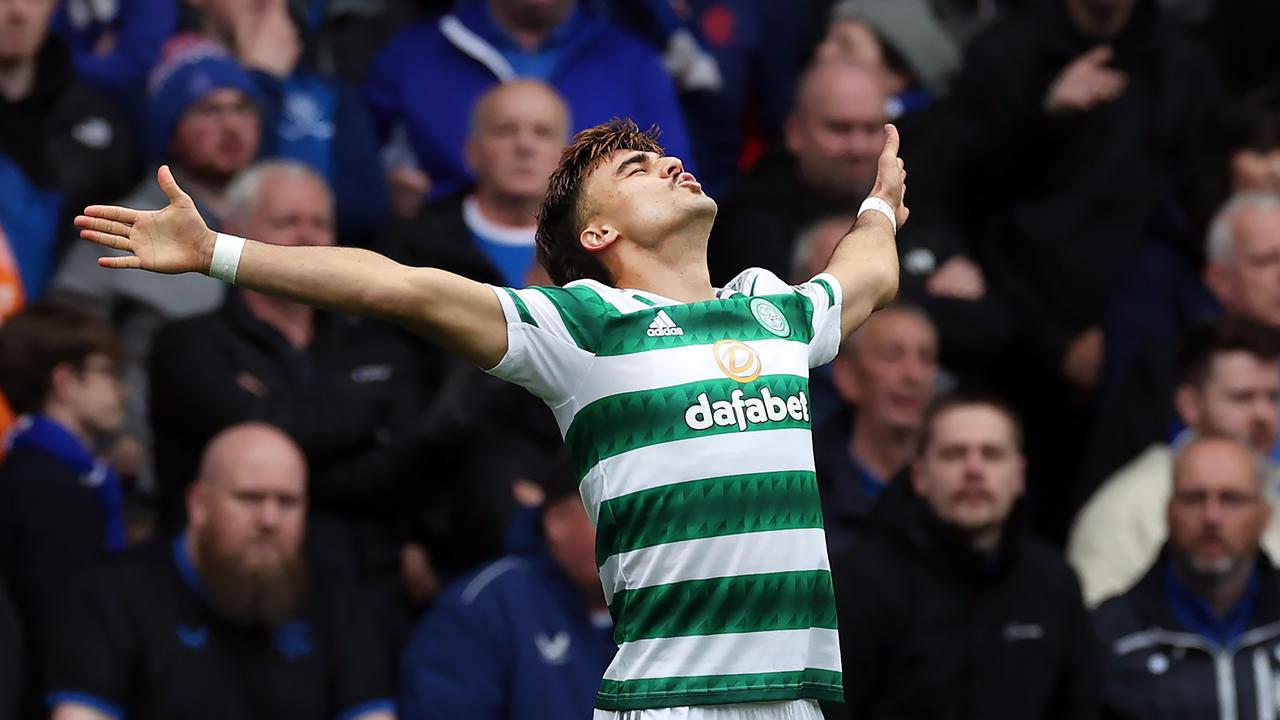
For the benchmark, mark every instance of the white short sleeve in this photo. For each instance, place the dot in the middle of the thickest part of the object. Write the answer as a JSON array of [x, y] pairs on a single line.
[[824, 292], [548, 347]]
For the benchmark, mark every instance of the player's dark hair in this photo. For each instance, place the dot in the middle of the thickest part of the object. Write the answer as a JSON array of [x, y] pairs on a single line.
[[965, 397], [42, 337], [561, 218], [1227, 334]]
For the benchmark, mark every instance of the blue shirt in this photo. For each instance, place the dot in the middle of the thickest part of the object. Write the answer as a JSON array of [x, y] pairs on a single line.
[[1198, 616]]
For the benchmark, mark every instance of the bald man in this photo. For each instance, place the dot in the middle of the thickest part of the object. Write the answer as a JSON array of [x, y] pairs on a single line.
[[225, 620], [1196, 637], [514, 139], [832, 136]]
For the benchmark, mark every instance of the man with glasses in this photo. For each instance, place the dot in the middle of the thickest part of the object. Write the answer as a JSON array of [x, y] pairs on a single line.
[[61, 506], [1198, 636], [203, 119]]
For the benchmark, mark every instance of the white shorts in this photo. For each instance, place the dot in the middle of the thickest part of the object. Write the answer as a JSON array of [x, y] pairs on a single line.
[[789, 710]]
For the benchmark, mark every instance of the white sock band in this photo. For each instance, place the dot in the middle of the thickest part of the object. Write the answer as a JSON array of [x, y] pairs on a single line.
[[879, 205], [226, 257]]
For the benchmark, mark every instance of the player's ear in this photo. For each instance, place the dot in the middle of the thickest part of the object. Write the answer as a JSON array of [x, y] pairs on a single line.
[[598, 237]]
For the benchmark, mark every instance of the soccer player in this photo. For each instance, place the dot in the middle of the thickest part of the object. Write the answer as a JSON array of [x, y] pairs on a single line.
[[684, 407]]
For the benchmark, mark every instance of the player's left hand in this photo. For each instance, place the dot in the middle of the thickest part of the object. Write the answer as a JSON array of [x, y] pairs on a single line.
[[891, 176]]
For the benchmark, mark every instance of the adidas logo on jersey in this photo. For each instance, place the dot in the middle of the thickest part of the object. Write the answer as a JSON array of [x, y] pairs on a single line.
[[664, 326]]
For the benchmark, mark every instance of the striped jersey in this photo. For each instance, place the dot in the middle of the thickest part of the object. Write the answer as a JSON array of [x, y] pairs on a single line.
[[689, 425]]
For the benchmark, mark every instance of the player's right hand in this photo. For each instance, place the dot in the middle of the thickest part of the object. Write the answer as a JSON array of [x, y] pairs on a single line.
[[173, 240], [891, 176]]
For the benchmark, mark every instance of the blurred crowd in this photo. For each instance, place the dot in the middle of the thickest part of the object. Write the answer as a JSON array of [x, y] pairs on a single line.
[[1046, 469]]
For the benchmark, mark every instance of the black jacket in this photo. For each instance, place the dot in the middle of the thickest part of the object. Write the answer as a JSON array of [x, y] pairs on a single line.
[[351, 400], [758, 226], [929, 629], [438, 237], [485, 433], [1157, 669], [1058, 204], [66, 137], [51, 531], [11, 665]]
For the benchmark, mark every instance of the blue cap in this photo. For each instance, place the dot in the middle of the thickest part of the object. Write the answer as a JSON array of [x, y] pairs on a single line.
[[189, 71]]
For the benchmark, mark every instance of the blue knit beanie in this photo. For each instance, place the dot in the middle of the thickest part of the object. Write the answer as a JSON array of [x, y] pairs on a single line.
[[190, 70]]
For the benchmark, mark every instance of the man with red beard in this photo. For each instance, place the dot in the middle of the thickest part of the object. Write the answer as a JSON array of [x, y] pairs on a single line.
[[1196, 637], [953, 611], [225, 621]]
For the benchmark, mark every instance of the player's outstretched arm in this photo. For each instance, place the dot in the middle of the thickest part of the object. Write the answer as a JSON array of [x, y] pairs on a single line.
[[460, 314], [866, 260]]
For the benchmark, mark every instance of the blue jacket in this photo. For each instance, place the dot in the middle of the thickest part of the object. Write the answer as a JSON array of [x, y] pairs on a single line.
[[321, 121], [513, 641], [141, 27], [430, 75]]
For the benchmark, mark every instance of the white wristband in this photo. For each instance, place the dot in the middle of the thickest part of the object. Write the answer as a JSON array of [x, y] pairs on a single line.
[[879, 205], [226, 257]]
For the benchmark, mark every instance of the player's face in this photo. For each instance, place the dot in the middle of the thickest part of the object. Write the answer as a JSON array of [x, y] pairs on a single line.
[[23, 26], [1239, 398], [645, 198], [1252, 274], [893, 366], [96, 394], [1216, 513], [517, 142], [972, 472], [293, 211], [219, 135]]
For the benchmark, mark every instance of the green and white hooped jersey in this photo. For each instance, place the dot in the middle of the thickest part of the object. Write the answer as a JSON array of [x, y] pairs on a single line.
[[689, 426]]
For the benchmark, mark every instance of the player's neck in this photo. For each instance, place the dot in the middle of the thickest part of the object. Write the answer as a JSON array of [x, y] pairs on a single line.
[[687, 283], [17, 80], [881, 448], [505, 210], [293, 320]]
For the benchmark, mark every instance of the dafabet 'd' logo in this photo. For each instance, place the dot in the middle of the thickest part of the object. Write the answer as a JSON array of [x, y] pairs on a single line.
[[740, 362], [737, 360]]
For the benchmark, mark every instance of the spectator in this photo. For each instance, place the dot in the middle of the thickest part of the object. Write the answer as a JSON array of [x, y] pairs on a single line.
[[114, 44], [204, 113], [61, 146], [60, 369], [600, 70], [1163, 294], [902, 42], [833, 138], [735, 63], [1083, 102], [515, 136], [347, 391], [956, 614], [886, 370], [11, 672], [313, 118], [524, 638], [1229, 381], [341, 39], [227, 620], [1243, 279], [1195, 637]]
